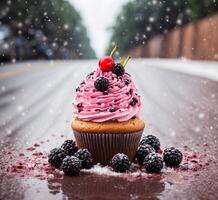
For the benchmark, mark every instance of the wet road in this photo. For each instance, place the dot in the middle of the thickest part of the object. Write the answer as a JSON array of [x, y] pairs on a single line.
[[35, 105]]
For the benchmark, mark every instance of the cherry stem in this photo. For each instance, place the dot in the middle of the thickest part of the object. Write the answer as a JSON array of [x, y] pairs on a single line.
[[126, 61], [113, 51]]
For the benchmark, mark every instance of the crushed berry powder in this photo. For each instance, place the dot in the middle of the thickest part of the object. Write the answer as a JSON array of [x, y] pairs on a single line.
[[31, 166]]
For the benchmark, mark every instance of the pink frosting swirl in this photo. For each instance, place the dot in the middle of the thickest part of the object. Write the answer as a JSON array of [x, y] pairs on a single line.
[[120, 103]]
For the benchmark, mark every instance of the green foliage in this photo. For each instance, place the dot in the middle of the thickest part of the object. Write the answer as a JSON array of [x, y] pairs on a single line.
[[140, 20], [202, 8], [57, 19]]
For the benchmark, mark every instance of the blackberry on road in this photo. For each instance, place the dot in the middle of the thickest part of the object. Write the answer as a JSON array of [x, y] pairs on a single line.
[[151, 140], [120, 162], [85, 157], [56, 157], [70, 147], [143, 151], [172, 157], [153, 163], [71, 166]]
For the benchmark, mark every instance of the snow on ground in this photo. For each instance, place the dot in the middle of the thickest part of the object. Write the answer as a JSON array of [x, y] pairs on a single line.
[[205, 69]]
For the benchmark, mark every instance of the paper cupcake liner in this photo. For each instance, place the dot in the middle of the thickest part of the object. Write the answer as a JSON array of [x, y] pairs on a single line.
[[103, 146]]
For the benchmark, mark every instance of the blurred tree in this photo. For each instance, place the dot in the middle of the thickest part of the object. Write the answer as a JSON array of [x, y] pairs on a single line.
[[202, 8], [59, 22], [140, 20]]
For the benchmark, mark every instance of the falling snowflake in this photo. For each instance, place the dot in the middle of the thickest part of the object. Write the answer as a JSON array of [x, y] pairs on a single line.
[[179, 21], [148, 28], [151, 19], [197, 129], [20, 108], [201, 115], [3, 88], [66, 26]]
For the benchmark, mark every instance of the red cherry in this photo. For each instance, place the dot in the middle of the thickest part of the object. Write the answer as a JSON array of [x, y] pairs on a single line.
[[106, 64]]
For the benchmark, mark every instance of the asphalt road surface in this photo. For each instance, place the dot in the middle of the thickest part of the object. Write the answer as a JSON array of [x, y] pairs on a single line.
[[35, 105]]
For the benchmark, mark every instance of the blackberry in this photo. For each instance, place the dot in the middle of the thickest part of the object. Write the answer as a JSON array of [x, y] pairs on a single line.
[[151, 140], [85, 157], [143, 151], [120, 162], [118, 69], [153, 163], [172, 157], [56, 157], [133, 102], [71, 166], [69, 146], [101, 84]]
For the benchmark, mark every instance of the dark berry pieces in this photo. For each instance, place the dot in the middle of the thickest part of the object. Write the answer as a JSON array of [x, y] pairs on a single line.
[[118, 69], [112, 109], [153, 163], [106, 64], [82, 83], [130, 92], [101, 84], [127, 81], [56, 157], [105, 92], [85, 157], [133, 102], [80, 110], [70, 147], [79, 105], [151, 140], [90, 74], [120, 162], [77, 89], [172, 157], [143, 151], [71, 166]]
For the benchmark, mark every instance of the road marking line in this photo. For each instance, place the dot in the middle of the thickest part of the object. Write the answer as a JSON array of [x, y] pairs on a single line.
[[8, 74], [28, 68]]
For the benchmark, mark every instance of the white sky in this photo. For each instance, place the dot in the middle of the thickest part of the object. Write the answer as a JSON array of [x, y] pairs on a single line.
[[97, 16]]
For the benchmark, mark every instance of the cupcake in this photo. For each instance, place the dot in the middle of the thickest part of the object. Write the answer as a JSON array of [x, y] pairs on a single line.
[[106, 112]]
